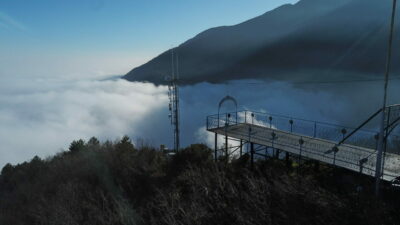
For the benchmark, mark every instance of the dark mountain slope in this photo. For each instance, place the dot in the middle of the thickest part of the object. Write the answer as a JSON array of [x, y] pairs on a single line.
[[308, 39], [343, 45]]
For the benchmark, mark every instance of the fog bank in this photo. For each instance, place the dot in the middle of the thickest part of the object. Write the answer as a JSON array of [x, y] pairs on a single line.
[[41, 117]]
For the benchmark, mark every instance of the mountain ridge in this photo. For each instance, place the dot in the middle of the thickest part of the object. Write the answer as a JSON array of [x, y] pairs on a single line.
[[286, 42]]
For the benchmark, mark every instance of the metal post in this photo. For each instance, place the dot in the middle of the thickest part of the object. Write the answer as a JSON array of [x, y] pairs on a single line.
[[249, 138], [361, 167], [315, 129], [291, 131], [334, 159], [226, 146], [385, 141], [343, 131], [177, 122], [291, 125], [252, 155], [362, 161], [301, 148], [273, 135], [335, 149], [378, 170], [241, 148], [216, 147], [236, 115], [287, 159], [270, 122], [301, 142], [226, 136]]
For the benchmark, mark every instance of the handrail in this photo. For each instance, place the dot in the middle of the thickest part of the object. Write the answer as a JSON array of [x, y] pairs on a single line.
[[388, 133], [359, 127], [287, 117], [357, 147], [245, 114]]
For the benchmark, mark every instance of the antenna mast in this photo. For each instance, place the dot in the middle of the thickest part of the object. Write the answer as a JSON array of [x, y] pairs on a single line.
[[381, 141], [173, 94]]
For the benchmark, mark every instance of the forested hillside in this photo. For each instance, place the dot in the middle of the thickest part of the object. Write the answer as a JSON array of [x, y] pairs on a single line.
[[118, 183]]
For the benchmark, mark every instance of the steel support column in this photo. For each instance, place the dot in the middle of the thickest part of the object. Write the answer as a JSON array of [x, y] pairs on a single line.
[[277, 153], [252, 155], [316, 166], [241, 148], [378, 170], [226, 146], [287, 159], [216, 147]]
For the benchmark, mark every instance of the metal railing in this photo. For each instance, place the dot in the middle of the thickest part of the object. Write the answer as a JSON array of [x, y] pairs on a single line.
[[321, 130], [310, 139]]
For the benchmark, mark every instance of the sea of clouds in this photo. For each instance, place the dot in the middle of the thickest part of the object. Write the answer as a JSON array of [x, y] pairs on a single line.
[[42, 116]]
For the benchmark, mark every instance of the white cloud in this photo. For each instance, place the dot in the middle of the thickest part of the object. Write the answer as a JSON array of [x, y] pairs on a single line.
[[42, 116]]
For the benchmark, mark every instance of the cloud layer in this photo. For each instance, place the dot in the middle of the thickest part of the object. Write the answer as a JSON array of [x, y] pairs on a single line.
[[42, 116]]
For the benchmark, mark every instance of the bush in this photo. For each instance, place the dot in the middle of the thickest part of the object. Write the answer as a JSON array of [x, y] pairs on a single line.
[[115, 183], [197, 155]]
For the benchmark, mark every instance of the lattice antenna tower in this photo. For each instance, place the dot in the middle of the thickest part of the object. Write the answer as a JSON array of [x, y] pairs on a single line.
[[173, 95]]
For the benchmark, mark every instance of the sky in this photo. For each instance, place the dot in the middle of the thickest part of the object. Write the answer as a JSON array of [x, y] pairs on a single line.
[[92, 38], [54, 56]]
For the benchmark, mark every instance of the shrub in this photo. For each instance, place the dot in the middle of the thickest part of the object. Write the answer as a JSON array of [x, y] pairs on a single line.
[[115, 183], [197, 155]]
